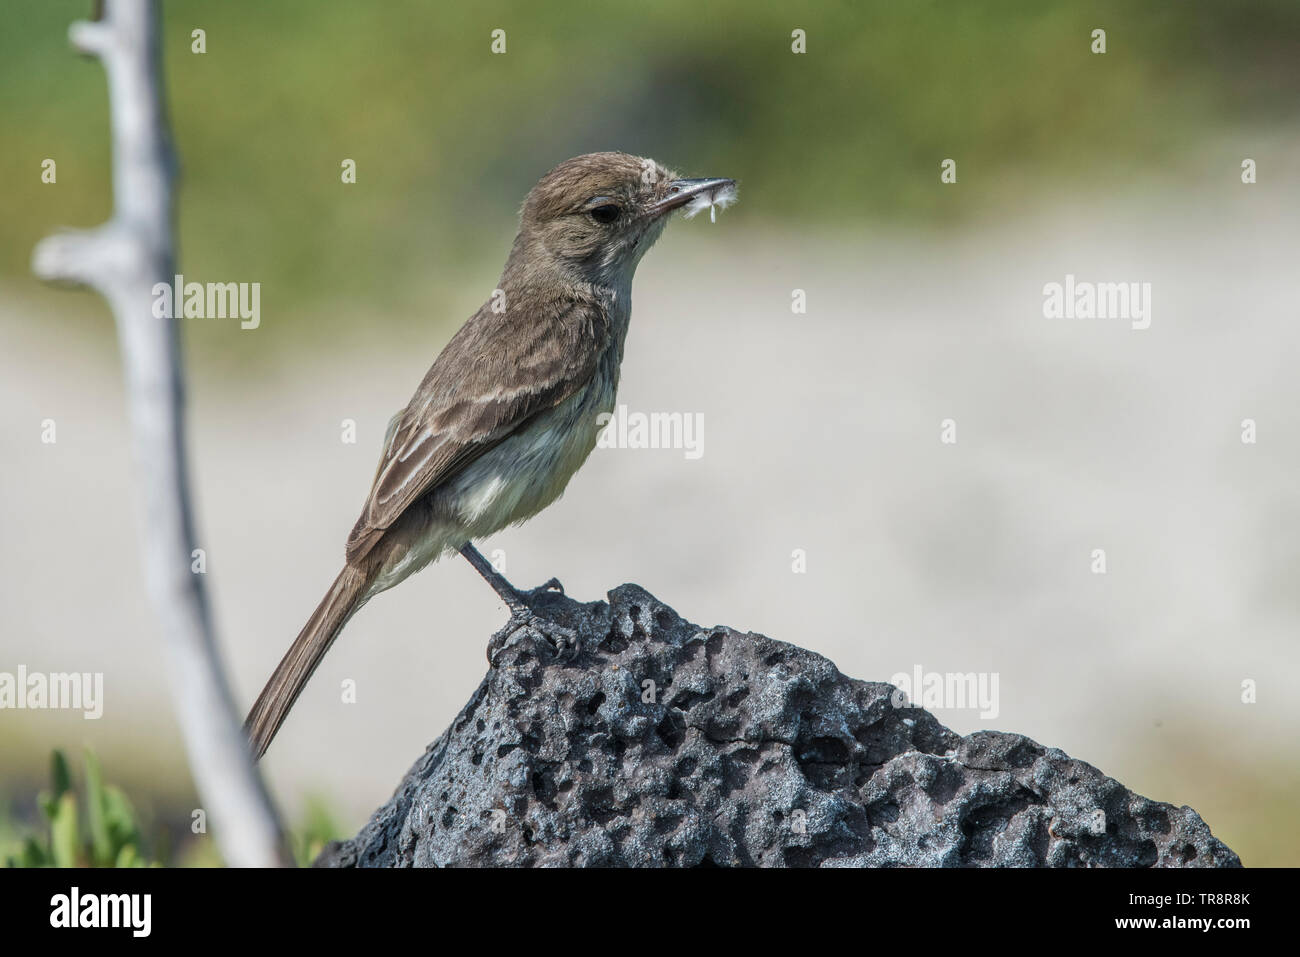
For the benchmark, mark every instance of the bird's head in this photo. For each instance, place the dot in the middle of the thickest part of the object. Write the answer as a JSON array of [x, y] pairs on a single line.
[[594, 216]]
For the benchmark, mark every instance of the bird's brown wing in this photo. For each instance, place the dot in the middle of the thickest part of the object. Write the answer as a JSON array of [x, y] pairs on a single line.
[[492, 377]]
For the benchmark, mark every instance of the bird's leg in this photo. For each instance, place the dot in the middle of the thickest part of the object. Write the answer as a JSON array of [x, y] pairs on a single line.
[[522, 615], [509, 594]]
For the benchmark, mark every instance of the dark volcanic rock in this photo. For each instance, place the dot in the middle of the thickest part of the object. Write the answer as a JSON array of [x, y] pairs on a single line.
[[744, 752]]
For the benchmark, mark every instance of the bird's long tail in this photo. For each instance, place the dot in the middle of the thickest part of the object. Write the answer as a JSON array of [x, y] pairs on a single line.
[[291, 674]]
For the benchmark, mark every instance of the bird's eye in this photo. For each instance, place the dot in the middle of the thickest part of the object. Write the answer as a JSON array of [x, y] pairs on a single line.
[[606, 214]]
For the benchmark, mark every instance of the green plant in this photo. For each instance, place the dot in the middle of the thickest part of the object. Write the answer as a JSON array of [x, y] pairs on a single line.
[[100, 828], [111, 836], [319, 828]]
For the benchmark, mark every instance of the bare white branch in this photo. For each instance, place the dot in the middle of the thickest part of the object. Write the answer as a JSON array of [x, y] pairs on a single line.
[[122, 260]]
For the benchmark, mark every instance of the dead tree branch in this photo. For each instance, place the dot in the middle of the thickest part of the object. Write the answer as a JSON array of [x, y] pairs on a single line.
[[122, 260]]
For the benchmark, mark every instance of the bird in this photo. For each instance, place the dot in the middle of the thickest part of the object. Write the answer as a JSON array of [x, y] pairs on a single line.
[[509, 409]]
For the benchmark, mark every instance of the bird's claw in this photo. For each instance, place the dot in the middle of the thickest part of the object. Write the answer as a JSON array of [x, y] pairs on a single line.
[[524, 624]]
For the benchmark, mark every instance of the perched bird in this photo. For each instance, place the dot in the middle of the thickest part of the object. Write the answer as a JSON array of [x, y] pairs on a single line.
[[509, 409]]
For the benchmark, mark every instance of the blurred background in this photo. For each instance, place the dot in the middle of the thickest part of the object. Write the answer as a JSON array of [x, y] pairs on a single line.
[[822, 429]]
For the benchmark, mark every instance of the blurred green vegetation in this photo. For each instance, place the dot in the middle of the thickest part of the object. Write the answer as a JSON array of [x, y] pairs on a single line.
[[319, 826], [96, 829], [448, 137], [95, 825]]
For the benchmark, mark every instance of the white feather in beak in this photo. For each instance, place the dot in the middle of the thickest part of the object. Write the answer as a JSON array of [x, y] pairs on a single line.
[[712, 200]]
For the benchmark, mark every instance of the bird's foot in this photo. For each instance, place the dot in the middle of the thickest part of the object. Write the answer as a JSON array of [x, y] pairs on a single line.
[[526, 625]]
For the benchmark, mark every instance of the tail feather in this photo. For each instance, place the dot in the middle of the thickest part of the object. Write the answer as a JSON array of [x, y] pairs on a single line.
[[296, 667]]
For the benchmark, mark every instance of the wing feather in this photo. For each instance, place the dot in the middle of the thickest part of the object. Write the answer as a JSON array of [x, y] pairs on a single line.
[[488, 382]]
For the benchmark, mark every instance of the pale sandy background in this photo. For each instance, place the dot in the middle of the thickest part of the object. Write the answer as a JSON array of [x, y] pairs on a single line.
[[821, 433]]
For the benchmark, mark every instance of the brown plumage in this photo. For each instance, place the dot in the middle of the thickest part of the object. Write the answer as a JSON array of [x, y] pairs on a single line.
[[509, 409]]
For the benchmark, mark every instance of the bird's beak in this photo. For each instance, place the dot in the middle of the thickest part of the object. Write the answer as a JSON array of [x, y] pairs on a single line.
[[682, 191]]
